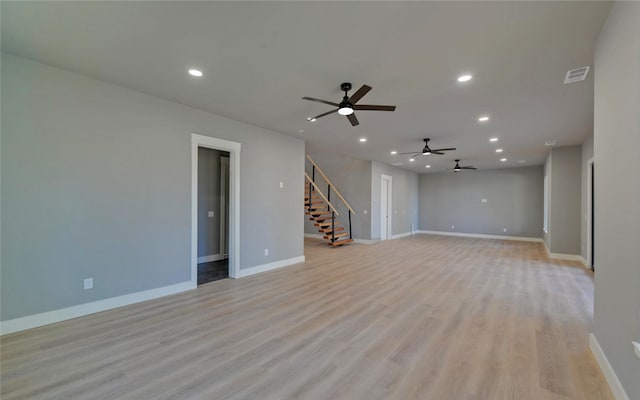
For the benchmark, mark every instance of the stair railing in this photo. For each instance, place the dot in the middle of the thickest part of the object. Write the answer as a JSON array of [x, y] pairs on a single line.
[[330, 207], [330, 185]]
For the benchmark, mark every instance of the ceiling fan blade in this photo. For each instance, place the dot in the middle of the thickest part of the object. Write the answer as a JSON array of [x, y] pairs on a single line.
[[324, 114], [410, 152], [364, 89], [437, 152], [352, 118], [447, 149], [468, 167], [321, 101], [371, 107]]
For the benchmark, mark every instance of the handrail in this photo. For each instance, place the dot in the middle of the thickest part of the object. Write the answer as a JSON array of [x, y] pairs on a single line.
[[330, 183], [320, 193]]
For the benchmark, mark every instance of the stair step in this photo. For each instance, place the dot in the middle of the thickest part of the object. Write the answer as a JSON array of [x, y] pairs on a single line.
[[328, 230], [325, 224], [340, 242], [337, 235]]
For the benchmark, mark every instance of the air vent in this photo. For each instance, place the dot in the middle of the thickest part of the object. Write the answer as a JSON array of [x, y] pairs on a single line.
[[577, 75], [550, 143]]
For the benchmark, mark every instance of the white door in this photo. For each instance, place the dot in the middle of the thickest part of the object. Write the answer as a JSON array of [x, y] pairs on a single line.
[[385, 208]]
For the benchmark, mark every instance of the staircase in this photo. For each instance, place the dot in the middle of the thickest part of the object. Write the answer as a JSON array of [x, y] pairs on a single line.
[[322, 211]]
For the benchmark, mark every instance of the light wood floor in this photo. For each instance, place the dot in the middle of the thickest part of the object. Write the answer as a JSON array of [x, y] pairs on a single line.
[[426, 317]]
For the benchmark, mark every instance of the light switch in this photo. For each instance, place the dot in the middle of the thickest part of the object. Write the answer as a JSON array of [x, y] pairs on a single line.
[[211, 214], [281, 185], [365, 212]]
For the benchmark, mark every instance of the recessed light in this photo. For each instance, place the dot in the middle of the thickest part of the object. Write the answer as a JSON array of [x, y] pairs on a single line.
[[503, 159], [195, 72], [393, 152], [493, 139], [362, 139], [427, 166], [521, 161], [300, 130], [483, 118], [412, 159], [498, 150], [464, 78]]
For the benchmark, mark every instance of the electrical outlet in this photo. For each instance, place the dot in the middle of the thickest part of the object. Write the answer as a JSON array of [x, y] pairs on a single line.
[[266, 252], [453, 227], [504, 229], [281, 185], [211, 214], [484, 200], [88, 283], [365, 212]]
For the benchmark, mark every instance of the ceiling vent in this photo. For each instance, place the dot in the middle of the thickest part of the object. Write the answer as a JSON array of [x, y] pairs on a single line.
[[577, 75], [550, 143]]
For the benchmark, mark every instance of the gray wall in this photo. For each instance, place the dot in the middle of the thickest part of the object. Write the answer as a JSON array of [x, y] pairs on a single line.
[[404, 199], [514, 201], [617, 190], [587, 153], [209, 195], [96, 182], [564, 208], [352, 177]]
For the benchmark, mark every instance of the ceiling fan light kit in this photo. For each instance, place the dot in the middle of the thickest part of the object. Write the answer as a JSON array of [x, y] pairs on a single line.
[[348, 104]]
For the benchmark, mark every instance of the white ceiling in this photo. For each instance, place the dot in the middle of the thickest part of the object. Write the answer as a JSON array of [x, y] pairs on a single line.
[[259, 59]]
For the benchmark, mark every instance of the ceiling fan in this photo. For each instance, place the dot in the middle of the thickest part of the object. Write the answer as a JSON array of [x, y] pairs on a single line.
[[348, 104], [458, 168], [427, 150]]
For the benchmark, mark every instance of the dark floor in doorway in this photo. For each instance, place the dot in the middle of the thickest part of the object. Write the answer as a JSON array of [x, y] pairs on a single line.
[[213, 271]]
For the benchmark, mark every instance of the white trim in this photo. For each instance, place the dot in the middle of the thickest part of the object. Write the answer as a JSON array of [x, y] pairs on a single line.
[[270, 266], [63, 314], [589, 214], [563, 256], [400, 235], [389, 211], [234, 201], [607, 370], [212, 257], [483, 236]]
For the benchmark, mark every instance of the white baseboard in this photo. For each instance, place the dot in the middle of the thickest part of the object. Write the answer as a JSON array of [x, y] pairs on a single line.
[[213, 257], [400, 235], [562, 256], [607, 370], [483, 236], [63, 314], [270, 266]]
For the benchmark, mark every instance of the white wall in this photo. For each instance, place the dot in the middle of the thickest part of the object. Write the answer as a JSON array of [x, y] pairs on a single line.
[[404, 199], [96, 182], [513, 201], [617, 191]]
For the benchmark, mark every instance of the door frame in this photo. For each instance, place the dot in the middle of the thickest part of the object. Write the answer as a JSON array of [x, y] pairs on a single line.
[[234, 201], [590, 170], [388, 225]]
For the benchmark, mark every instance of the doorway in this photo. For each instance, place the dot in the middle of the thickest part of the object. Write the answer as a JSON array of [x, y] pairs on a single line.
[[215, 208], [385, 207], [591, 214], [213, 213]]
